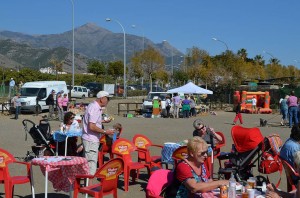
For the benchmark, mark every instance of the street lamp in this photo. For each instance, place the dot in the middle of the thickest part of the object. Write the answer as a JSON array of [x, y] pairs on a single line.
[[268, 53], [215, 39], [73, 49], [134, 26], [172, 67], [124, 77]]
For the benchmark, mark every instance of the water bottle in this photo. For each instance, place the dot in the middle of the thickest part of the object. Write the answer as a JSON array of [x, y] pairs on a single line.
[[264, 187], [114, 136], [232, 185]]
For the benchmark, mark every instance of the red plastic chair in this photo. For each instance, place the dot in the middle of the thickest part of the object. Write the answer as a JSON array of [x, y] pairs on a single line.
[[289, 172], [179, 154], [143, 143], [218, 146], [108, 175], [5, 178], [124, 148], [105, 149]]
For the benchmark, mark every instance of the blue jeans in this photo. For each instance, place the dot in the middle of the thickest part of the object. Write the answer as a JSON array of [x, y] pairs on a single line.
[[293, 115], [18, 109], [284, 113]]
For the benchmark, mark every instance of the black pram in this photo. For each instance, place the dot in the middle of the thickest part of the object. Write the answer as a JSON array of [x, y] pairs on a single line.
[[41, 135]]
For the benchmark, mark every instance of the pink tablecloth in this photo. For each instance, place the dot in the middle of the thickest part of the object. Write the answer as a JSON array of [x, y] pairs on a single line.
[[62, 170], [210, 195]]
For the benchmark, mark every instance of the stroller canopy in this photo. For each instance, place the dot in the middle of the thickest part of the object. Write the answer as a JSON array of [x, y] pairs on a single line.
[[246, 139]]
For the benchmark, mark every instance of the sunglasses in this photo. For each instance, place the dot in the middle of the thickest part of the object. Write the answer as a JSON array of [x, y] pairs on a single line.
[[201, 127], [204, 152]]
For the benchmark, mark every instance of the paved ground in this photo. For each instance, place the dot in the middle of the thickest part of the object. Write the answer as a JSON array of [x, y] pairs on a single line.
[[159, 130]]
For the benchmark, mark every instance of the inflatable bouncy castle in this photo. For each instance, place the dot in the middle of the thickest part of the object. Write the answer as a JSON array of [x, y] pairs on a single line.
[[262, 104]]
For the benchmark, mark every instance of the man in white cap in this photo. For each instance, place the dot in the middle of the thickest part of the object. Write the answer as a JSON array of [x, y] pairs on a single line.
[[12, 84], [93, 129]]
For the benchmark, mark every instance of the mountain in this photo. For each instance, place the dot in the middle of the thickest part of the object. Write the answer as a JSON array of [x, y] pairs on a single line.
[[90, 42], [18, 55]]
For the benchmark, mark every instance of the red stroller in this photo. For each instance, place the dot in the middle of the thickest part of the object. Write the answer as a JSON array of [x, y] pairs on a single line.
[[246, 151]]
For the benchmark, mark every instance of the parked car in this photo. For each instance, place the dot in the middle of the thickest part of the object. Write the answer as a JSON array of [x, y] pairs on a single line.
[[94, 88], [79, 92]]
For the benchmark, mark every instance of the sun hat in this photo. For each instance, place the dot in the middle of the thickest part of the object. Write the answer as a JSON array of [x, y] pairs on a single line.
[[102, 94]]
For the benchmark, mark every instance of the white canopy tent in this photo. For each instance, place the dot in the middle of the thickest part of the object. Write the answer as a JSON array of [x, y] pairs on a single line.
[[190, 88]]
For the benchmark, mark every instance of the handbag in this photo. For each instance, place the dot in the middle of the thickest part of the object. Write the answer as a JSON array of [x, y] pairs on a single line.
[[269, 163]]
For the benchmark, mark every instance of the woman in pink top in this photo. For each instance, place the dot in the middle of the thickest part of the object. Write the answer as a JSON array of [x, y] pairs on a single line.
[[293, 109], [65, 101]]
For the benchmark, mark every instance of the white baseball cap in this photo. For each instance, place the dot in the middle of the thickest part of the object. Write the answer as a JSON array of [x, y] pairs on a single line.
[[102, 94]]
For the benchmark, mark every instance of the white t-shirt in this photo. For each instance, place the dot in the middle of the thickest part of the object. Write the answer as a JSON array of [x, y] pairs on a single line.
[[253, 101]]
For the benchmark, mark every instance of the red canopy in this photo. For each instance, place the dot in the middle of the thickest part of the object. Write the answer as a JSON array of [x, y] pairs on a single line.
[[246, 139]]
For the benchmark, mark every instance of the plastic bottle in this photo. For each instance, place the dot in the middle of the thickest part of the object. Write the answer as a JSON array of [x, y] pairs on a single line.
[[115, 136], [232, 185], [264, 187]]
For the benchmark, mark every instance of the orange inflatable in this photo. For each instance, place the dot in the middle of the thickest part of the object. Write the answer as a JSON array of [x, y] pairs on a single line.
[[262, 104]]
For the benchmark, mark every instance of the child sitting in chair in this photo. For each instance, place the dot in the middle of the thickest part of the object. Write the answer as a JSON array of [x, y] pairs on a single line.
[[110, 138]]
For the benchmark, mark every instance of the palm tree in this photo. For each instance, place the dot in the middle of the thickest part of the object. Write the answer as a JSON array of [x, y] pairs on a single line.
[[243, 54], [259, 60], [274, 61]]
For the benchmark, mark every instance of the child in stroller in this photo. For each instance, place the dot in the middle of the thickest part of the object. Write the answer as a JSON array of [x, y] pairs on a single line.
[[246, 151], [42, 137]]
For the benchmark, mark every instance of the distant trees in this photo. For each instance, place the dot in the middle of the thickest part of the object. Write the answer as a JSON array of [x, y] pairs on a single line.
[[147, 62], [57, 66], [96, 67]]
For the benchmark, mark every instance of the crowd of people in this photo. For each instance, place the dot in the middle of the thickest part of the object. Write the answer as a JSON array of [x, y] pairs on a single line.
[[173, 105], [289, 108], [192, 177]]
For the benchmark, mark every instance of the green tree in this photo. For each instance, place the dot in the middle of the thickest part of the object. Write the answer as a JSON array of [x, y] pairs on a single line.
[[96, 67], [149, 61], [115, 69]]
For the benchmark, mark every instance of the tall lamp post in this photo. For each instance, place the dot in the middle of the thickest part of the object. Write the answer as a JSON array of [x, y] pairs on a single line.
[[124, 77], [172, 66], [143, 47], [227, 49], [215, 39], [268, 54], [73, 49]]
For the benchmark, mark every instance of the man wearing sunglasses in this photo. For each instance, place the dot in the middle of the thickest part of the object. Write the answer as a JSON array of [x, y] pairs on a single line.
[[93, 129], [206, 133]]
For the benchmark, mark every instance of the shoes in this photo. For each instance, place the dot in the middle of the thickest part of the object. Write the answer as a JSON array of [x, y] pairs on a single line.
[[233, 123], [281, 123]]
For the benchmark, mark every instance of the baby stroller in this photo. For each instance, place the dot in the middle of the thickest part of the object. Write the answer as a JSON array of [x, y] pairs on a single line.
[[41, 135], [246, 151]]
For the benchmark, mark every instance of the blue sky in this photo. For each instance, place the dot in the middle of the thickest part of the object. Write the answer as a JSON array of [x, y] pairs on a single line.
[[256, 25]]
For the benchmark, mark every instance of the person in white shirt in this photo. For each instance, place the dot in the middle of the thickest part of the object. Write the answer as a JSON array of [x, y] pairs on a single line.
[[254, 101], [12, 84], [168, 105]]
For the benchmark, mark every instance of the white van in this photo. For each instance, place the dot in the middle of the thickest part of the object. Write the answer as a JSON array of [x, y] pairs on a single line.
[[30, 91]]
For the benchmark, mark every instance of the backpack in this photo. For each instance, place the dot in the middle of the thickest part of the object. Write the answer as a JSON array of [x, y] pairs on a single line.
[[270, 161]]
